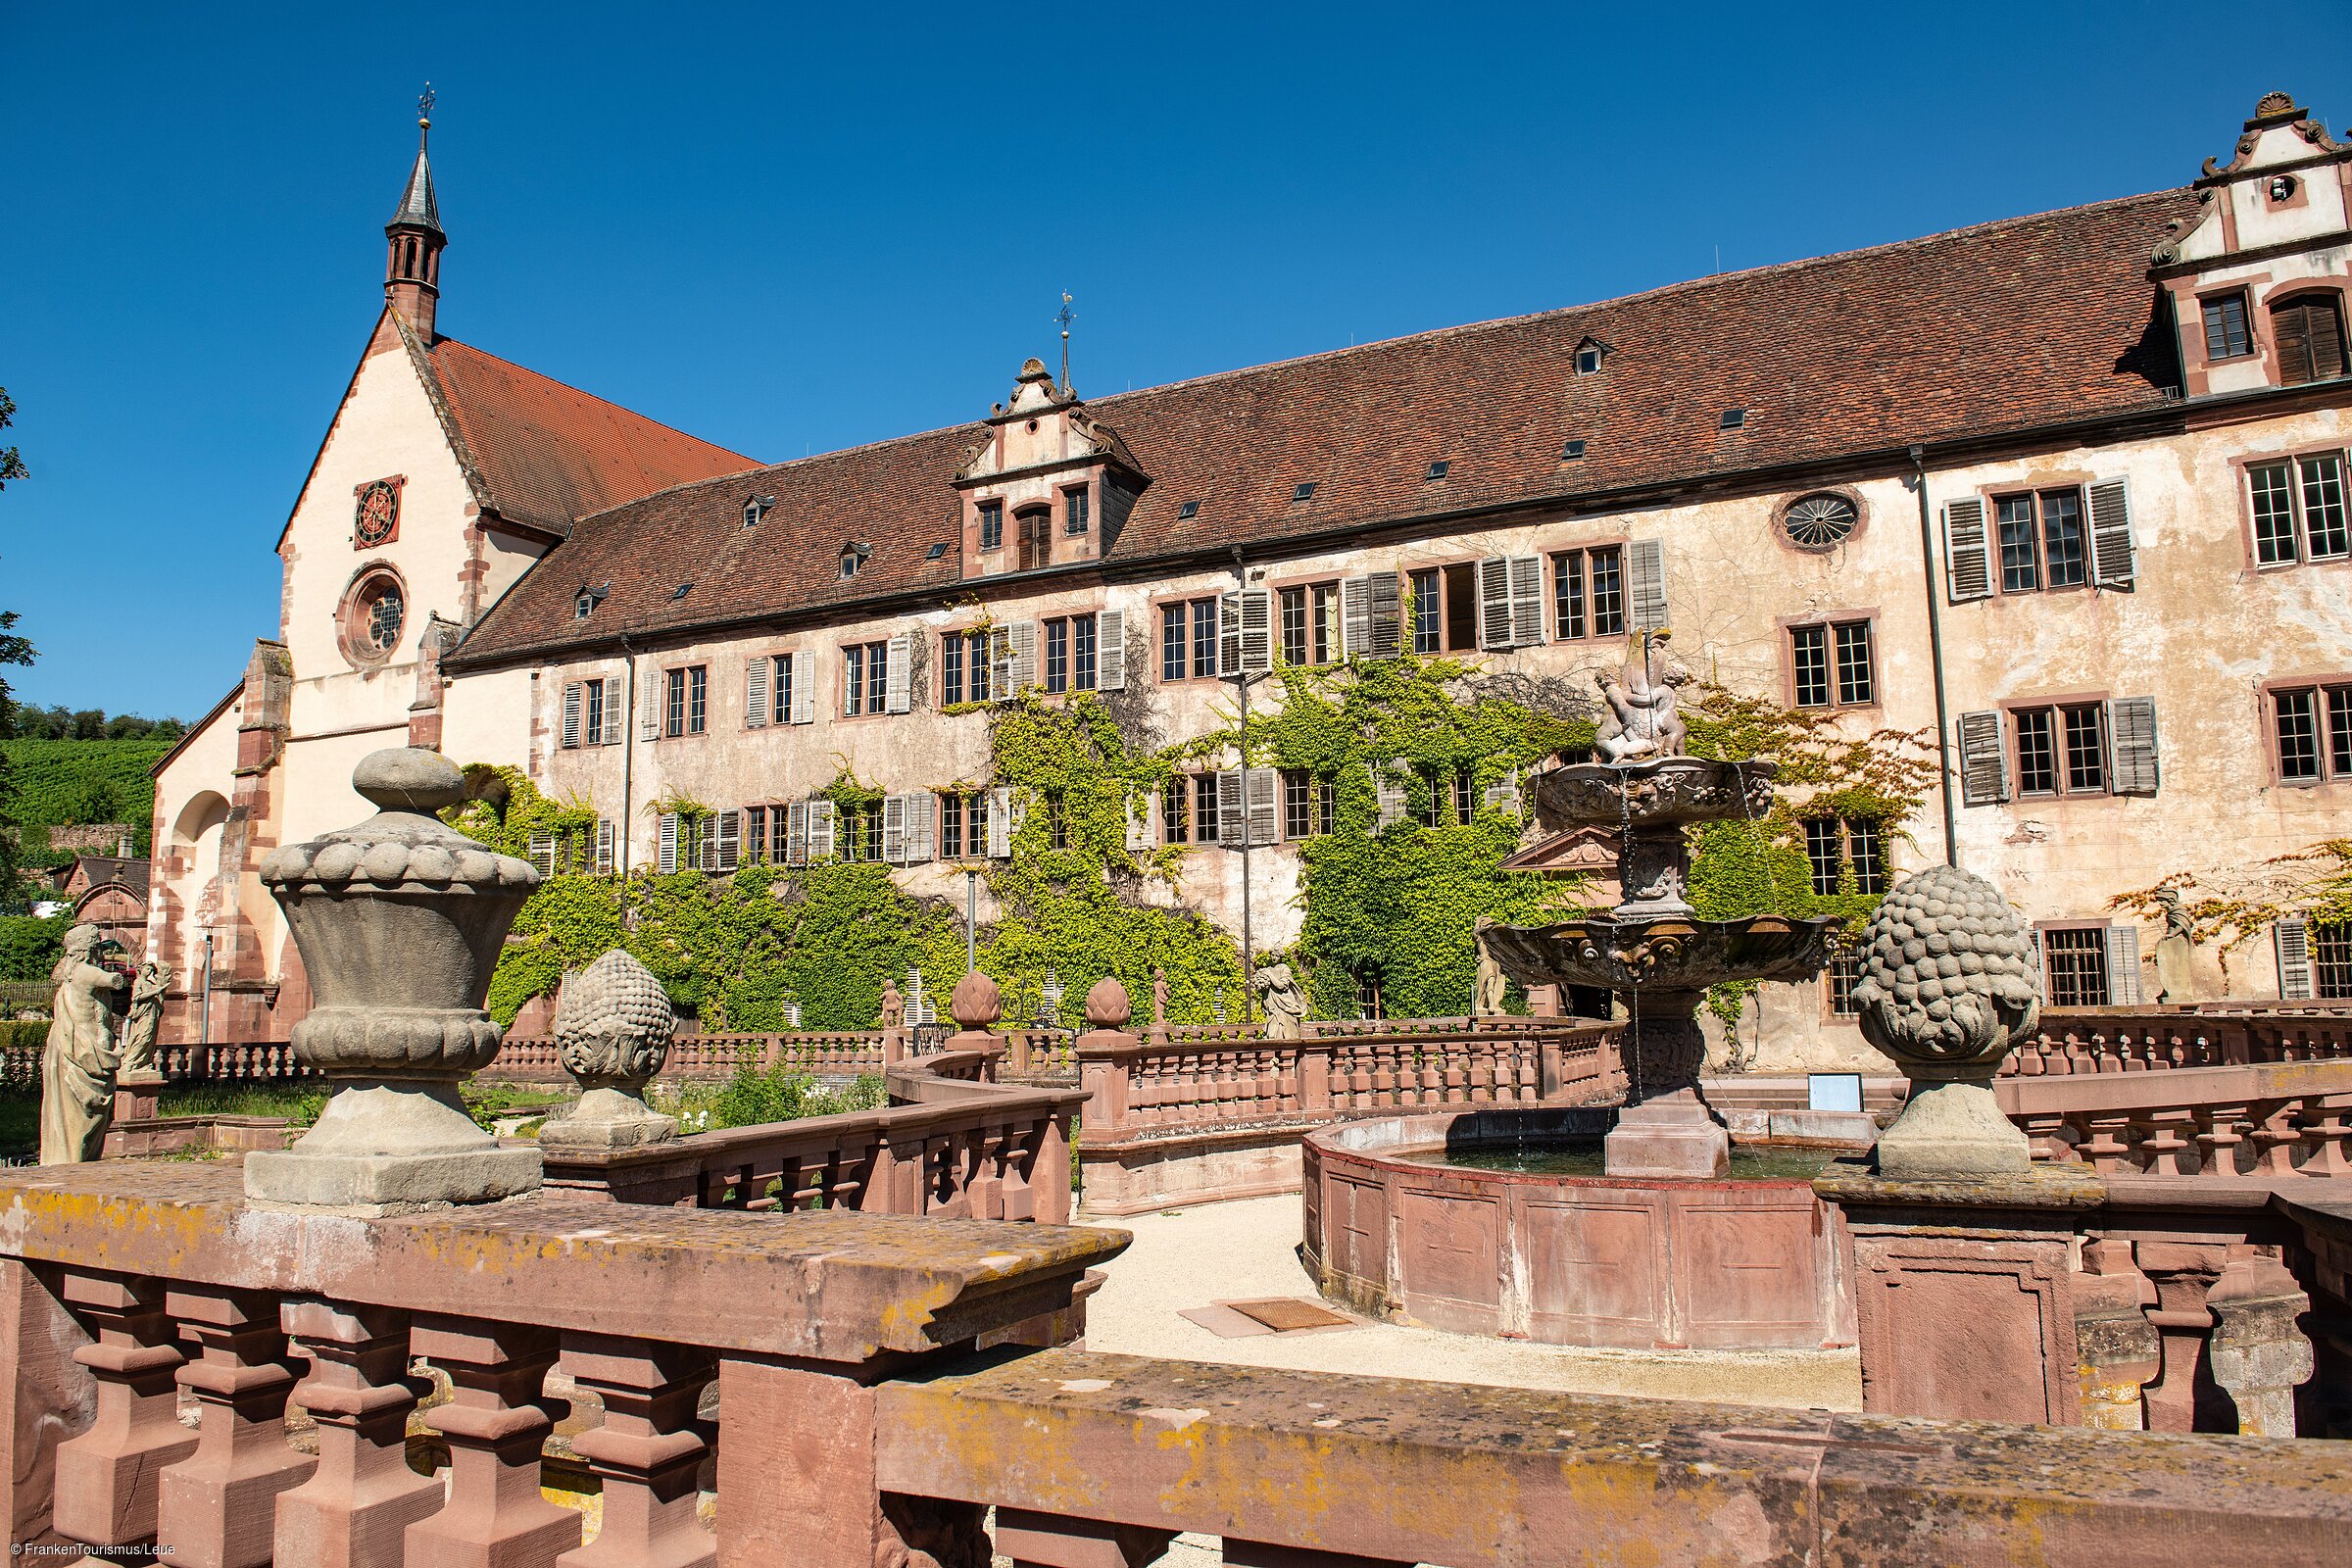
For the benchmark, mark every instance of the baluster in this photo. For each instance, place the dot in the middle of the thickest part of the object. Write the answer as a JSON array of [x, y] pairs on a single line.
[[2042, 1129], [2324, 1128], [356, 1505], [107, 1488], [2276, 1137], [649, 1452], [2160, 1140], [218, 1505], [2104, 1148], [495, 1422], [2217, 1139]]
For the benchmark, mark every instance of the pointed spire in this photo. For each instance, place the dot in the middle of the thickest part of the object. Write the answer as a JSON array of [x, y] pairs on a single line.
[[417, 208], [412, 262]]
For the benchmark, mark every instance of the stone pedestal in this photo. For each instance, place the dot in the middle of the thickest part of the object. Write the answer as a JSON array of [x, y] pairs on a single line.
[[135, 1102], [1665, 1128], [1963, 1294]]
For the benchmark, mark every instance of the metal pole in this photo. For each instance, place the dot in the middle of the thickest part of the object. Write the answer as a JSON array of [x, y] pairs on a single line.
[[1943, 723], [204, 1024], [1249, 947], [972, 919], [629, 757]]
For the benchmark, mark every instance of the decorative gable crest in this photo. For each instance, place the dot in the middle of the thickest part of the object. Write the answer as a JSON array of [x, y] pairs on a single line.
[[1047, 484]]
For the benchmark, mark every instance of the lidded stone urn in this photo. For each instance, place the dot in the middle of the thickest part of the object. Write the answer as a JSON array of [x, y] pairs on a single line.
[[398, 921]]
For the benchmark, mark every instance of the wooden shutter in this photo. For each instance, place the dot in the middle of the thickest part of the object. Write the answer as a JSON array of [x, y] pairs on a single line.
[[1229, 634], [1983, 760], [2293, 941], [796, 833], [668, 861], [1392, 792], [1258, 630], [730, 841], [1645, 574], [2310, 335], [922, 824], [755, 693], [1139, 824], [1355, 616], [1000, 823], [1110, 650], [2114, 557], [821, 819], [2326, 329], [1494, 602], [1506, 795], [1232, 810], [898, 680], [894, 829], [2122, 966], [1527, 601], [1021, 661], [2131, 728], [604, 847], [616, 719], [804, 687], [649, 721], [572, 716], [1967, 560], [1265, 806], [1372, 615], [707, 842], [542, 853]]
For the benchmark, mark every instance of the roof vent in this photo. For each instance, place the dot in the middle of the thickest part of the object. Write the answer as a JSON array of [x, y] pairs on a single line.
[[681, 591], [1305, 492], [1572, 451], [936, 551], [1733, 419], [1189, 511], [1588, 359], [584, 603], [854, 555], [1438, 469], [755, 508]]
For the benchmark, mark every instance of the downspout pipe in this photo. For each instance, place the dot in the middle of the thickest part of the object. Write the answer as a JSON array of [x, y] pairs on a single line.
[[1241, 681], [1944, 718], [629, 760]]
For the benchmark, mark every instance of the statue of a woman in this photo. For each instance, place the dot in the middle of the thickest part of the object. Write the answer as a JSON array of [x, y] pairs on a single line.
[[145, 1022], [1493, 987], [1284, 1001], [77, 1072]]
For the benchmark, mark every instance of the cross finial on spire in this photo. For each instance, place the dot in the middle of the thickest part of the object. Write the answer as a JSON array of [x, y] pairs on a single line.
[[1065, 315], [425, 107]]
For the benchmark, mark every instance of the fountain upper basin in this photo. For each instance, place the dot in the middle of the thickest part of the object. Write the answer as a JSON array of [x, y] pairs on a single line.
[[1663, 792], [1663, 953]]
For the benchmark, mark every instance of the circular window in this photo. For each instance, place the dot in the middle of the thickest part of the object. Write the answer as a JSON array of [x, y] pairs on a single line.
[[374, 612], [1819, 522]]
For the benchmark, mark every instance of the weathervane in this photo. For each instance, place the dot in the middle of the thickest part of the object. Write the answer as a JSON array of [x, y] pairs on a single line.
[[1065, 315]]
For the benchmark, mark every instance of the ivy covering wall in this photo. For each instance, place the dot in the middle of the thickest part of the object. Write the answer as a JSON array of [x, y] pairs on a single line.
[[1386, 908]]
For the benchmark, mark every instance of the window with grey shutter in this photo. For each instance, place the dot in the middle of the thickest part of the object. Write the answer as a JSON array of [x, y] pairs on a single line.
[[1000, 823], [922, 822], [894, 829], [1265, 806], [1229, 633], [705, 835], [1506, 795], [542, 853], [821, 819], [796, 833], [1110, 650], [1245, 632], [572, 716], [1139, 824], [2122, 966], [668, 859], [2293, 938], [1372, 615], [897, 681], [1527, 601], [1494, 602], [1232, 812], [1645, 570], [1391, 792], [616, 714], [1966, 562], [755, 693], [1018, 668], [604, 847], [2114, 555], [650, 721], [729, 843], [2131, 728], [804, 687], [1983, 760]]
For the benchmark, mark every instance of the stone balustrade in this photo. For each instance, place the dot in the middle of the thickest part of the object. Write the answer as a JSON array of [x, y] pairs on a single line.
[[2252, 1121], [2075, 1041]]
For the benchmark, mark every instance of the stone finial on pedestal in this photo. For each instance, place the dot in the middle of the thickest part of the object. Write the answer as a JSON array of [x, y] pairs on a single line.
[[1947, 988], [614, 1024], [398, 921], [975, 1004], [1106, 1005]]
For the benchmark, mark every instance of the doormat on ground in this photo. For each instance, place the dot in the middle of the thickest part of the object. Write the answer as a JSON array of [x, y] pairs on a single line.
[[1281, 1314]]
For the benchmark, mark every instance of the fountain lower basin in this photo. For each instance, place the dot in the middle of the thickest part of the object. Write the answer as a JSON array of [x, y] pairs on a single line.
[[1398, 1228]]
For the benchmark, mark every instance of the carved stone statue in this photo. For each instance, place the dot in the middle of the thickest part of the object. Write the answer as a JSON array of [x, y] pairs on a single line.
[[1285, 1002], [1488, 998], [894, 1006], [1947, 987], [1159, 996], [77, 1072], [1643, 699], [145, 1022], [2176, 951], [614, 1024]]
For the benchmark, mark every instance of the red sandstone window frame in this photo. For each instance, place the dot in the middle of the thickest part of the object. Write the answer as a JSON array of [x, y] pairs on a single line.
[[2240, 292], [967, 636], [1406, 570], [2036, 486], [2320, 686], [1584, 548], [2042, 948], [1830, 621], [1159, 605], [2242, 467], [874, 708], [2014, 735], [1309, 585]]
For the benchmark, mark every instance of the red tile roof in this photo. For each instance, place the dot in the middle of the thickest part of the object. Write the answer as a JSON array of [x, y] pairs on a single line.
[[2003, 326], [545, 454]]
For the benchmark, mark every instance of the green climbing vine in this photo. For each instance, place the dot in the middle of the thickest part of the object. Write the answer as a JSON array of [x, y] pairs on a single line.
[[2235, 903]]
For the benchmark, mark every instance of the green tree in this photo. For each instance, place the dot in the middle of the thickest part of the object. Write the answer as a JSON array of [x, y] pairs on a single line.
[[14, 649]]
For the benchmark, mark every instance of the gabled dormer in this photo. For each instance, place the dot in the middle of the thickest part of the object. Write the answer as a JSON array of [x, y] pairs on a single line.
[[1048, 485], [2258, 281]]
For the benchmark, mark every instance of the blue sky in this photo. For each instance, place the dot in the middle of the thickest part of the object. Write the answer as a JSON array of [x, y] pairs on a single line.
[[789, 233]]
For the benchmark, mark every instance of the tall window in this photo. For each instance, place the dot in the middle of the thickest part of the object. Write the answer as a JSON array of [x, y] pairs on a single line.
[[2041, 540], [1035, 524], [1070, 654], [755, 833], [2309, 332], [1176, 811], [963, 671], [1308, 803], [1587, 593], [1825, 853], [2062, 750], [1188, 640], [1429, 613], [864, 678], [1077, 510], [1835, 843], [2073, 964], [1846, 971], [780, 689], [2313, 725], [1205, 827], [1310, 624], [992, 524], [1058, 655], [2332, 959], [2226, 336], [963, 825], [1832, 666], [1465, 798], [686, 701], [2298, 508], [857, 831]]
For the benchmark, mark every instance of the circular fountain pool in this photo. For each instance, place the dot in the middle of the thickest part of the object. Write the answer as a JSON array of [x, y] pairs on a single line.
[[1500, 1222]]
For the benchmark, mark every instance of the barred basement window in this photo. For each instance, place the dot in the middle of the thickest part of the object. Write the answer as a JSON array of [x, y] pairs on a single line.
[[2073, 963], [1846, 971], [2298, 509], [2313, 726], [2332, 959]]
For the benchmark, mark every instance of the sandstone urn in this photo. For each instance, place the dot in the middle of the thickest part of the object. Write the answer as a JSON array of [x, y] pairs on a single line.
[[398, 921], [1947, 987]]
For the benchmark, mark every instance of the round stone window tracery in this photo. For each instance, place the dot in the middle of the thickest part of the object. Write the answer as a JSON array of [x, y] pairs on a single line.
[[375, 609], [1820, 522]]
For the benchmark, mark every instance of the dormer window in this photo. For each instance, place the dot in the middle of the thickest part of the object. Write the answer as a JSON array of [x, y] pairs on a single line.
[[992, 524], [1035, 526], [584, 603], [1588, 354], [755, 508], [1077, 510], [2309, 331], [2225, 335], [853, 556]]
